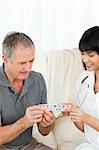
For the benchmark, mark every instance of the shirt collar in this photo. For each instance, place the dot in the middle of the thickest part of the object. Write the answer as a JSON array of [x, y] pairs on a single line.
[[3, 78], [91, 81]]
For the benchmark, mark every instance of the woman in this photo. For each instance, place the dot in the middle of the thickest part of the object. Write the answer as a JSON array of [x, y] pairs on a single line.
[[85, 114]]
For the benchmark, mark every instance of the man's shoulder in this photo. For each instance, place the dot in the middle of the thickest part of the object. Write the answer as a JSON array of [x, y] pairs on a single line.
[[34, 74], [37, 76]]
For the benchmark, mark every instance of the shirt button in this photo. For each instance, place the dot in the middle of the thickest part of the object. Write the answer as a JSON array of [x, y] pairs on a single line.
[[18, 101]]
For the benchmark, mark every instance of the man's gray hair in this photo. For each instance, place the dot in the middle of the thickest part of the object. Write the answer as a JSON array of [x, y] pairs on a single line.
[[14, 39]]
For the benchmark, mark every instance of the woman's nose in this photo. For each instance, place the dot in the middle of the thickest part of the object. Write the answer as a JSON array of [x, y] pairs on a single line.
[[85, 58]]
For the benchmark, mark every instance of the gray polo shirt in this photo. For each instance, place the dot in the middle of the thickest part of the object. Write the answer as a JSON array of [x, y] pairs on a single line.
[[13, 106]]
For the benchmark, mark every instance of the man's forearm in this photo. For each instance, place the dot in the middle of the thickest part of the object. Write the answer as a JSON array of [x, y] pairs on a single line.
[[45, 130], [10, 132]]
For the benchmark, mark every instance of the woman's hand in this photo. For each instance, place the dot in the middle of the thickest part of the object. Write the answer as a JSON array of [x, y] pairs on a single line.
[[77, 115]]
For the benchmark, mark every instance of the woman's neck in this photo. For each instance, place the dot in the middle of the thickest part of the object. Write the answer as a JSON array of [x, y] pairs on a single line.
[[96, 85]]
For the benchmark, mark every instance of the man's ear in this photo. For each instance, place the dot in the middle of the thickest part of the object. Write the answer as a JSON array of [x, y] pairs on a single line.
[[4, 59]]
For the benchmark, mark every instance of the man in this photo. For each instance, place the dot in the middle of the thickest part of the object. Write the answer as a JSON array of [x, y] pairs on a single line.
[[21, 92]]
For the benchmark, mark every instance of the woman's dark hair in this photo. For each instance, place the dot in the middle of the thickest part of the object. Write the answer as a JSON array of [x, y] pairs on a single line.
[[90, 40]]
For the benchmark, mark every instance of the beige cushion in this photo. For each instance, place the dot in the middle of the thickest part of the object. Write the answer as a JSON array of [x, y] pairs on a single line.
[[40, 65], [61, 69], [66, 134], [48, 140], [64, 68]]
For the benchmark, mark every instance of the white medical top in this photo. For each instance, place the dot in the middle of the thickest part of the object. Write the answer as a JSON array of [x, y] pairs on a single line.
[[89, 101]]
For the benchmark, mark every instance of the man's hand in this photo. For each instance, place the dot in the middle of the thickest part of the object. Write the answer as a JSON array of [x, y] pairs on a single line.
[[34, 114], [47, 122], [48, 119]]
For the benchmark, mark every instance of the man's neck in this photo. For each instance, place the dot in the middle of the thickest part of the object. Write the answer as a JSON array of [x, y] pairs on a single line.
[[15, 83]]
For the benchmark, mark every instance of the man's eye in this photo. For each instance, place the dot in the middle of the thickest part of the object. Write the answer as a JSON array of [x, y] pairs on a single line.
[[22, 63], [31, 61]]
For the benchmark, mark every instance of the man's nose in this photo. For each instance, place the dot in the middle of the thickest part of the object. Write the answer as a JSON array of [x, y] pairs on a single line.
[[27, 66]]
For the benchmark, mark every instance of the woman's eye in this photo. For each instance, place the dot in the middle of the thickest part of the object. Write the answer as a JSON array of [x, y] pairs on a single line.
[[91, 54], [82, 53]]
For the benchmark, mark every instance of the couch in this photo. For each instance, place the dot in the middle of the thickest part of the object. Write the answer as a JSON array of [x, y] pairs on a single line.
[[60, 69]]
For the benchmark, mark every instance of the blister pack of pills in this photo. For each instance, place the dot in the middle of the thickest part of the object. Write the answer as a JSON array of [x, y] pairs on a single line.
[[54, 107]]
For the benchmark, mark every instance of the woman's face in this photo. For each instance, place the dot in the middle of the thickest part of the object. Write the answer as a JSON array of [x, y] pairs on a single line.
[[91, 60]]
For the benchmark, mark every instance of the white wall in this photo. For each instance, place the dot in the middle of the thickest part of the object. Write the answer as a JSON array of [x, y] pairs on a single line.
[[52, 24]]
